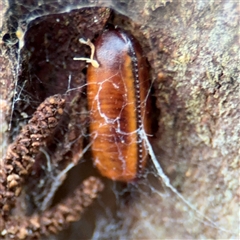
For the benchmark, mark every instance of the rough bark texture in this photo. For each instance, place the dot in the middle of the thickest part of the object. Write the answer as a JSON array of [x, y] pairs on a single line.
[[193, 51]]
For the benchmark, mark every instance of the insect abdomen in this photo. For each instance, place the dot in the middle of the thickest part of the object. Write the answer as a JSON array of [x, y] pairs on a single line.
[[117, 97]]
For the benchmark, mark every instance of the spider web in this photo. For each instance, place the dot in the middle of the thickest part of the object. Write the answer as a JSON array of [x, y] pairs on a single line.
[[124, 209]]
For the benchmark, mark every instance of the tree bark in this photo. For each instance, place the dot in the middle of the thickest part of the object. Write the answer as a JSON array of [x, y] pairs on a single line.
[[193, 52]]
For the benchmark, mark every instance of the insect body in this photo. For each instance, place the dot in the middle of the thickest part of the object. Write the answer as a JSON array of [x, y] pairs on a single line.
[[117, 99]]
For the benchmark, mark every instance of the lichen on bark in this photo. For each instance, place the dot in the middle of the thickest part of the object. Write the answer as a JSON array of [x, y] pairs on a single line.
[[193, 51]]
